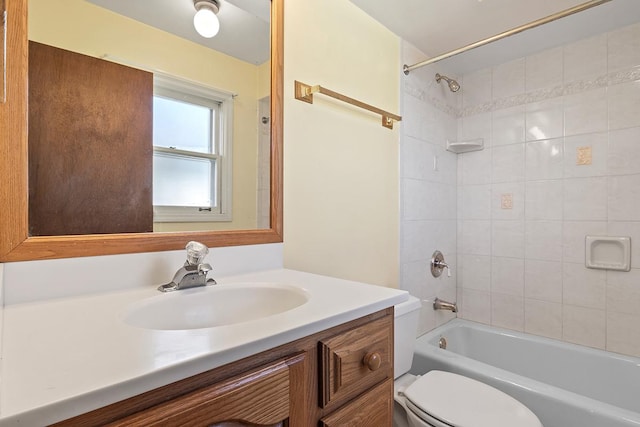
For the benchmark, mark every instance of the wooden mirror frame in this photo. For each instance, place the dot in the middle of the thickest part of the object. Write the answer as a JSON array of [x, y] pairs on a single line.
[[15, 242]]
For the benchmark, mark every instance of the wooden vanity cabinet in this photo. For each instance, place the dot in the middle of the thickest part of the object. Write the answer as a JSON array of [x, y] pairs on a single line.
[[259, 397], [373, 408], [342, 376]]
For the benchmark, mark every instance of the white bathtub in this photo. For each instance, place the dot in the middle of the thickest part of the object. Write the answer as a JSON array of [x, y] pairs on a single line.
[[565, 385]]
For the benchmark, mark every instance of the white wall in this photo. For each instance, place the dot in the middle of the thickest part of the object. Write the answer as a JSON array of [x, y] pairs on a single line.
[[428, 190], [523, 268], [341, 165]]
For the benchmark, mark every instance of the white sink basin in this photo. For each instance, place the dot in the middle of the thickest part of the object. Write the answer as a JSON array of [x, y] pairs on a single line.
[[216, 305]]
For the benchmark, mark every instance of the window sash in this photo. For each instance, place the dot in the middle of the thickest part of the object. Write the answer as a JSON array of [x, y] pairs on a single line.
[[222, 104], [213, 126], [214, 191]]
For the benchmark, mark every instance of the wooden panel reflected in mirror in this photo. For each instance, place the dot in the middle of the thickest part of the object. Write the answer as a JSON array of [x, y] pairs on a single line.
[[91, 175], [15, 243]]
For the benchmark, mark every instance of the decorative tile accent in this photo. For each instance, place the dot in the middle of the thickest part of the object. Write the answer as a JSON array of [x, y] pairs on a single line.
[[570, 88], [417, 92], [583, 156], [506, 201], [624, 76]]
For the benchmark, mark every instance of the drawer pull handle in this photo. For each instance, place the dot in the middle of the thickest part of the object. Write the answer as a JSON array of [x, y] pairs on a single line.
[[372, 361]]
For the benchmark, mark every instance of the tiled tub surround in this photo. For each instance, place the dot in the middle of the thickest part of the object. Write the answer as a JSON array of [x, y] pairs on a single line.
[[427, 187], [562, 136]]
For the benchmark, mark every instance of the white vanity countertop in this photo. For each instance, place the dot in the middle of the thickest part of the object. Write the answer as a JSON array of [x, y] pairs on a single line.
[[64, 357]]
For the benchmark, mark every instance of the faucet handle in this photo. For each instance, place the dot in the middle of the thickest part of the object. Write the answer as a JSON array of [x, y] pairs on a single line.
[[196, 252], [438, 264]]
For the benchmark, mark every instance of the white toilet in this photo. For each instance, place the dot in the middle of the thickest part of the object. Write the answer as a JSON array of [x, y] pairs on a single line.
[[445, 399]]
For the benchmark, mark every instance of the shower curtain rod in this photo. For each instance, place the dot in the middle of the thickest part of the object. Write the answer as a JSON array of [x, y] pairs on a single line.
[[516, 30]]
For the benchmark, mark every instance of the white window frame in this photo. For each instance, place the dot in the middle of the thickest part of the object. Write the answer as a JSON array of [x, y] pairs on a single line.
[[195, 93]]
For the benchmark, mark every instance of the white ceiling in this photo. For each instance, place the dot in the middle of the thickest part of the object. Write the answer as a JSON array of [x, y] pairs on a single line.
[[439, 26], [244, 24], [433, 26]]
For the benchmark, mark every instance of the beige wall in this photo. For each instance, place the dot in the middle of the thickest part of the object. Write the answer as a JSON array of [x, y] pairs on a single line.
[[85, 28], [264, 80], [341, 165]]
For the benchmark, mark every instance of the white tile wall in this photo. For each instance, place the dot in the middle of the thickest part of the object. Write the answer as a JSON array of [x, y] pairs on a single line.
[[543, 240], [585, 59], [585, 326], [428, 192], [479, 83], [585, 199], [544, 69], [507, 163], [544, 119], [508, 126], [474, 272], [624, 152], [544, 159], [543, 318], [621, 337], [506, 240], [624, 105], [508, 79], [474, 127], [573, 238], [523, 268], [507, 276], [623, 50], [507, 311], [543, 280], [585, 112], [543, 200]]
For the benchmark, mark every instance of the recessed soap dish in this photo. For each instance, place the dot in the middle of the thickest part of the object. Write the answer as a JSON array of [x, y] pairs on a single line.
[[608, 253], [465, 146]]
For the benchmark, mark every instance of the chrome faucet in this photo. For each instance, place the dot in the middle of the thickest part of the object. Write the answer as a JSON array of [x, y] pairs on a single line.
[[439, 304], [193, 273]]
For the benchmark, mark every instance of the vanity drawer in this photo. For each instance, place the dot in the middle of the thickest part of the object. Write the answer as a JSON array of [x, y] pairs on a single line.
[[356, 360], [374, 408]]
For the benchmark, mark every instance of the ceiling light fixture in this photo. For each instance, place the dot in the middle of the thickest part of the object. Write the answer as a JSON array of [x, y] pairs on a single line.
[[205, 20]]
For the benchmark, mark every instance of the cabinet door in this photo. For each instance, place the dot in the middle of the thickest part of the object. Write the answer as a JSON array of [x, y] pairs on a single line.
[[374, 408], [257, 398], [355, 360]]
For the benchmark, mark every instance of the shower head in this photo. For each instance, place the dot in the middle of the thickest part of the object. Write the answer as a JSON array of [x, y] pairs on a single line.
[[453, 85]]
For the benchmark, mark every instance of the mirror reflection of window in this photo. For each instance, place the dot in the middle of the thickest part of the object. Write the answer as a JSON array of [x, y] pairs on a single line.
[[191, 142]]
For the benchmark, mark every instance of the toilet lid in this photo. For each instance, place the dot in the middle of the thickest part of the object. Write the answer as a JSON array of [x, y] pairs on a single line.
[[463, 402]]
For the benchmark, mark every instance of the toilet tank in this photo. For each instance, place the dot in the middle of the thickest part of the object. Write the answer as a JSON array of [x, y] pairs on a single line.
[[407, 315]]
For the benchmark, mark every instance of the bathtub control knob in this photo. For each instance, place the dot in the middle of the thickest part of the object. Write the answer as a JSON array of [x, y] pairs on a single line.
[[372, 361], [438, 264]]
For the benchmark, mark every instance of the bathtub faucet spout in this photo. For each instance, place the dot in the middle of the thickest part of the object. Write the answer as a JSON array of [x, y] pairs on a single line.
[[439, 304]]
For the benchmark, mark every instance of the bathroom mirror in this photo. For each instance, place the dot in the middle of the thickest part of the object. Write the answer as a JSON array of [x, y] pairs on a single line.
[[16, 244]]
